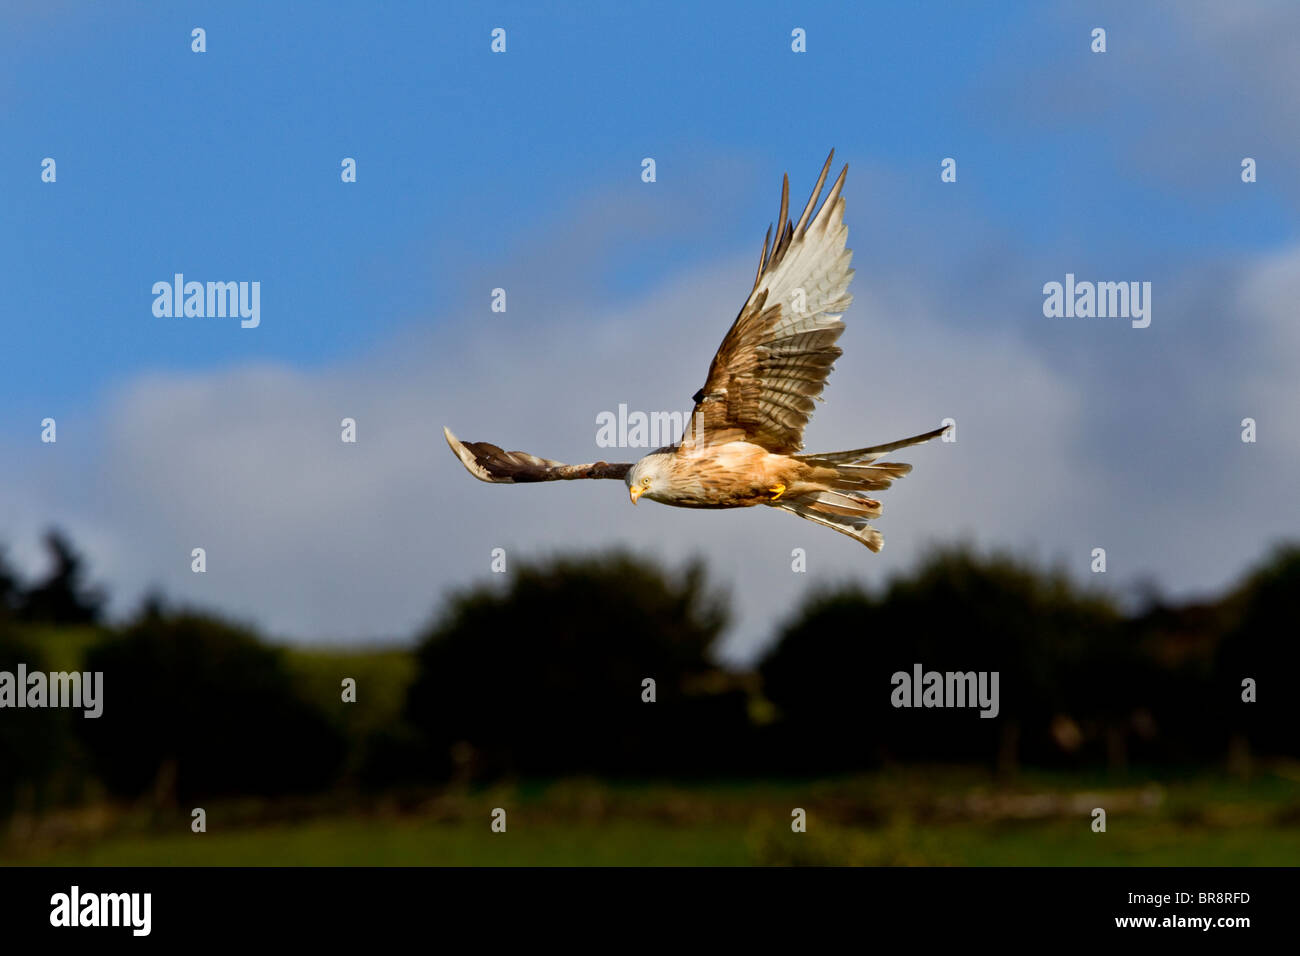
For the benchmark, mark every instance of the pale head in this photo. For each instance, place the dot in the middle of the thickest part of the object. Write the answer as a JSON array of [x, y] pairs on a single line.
[[649, 477]]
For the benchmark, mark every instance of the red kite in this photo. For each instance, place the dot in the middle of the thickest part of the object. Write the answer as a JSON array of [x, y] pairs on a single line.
[[739, 447]]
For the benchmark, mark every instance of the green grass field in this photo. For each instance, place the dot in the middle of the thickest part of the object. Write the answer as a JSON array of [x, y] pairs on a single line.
[[939, 817], [641, 843]]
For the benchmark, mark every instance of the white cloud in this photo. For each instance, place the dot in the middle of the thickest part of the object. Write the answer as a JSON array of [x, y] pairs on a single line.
[[1266, 312]]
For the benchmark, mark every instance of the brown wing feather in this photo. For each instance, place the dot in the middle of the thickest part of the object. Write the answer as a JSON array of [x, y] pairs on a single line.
[[774, 361], [487, 462]]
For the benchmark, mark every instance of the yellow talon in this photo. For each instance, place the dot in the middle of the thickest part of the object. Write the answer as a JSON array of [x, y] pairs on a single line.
[[777, 491]]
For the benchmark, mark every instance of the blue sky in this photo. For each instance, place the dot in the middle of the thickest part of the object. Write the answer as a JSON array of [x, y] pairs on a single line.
[[522, 170], [226, 163]]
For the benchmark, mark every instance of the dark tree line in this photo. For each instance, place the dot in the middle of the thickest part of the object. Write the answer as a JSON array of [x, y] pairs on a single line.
[[61, 597], [551, 673]]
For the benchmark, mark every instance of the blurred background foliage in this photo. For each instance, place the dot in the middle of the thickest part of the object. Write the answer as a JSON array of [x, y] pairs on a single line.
[[530, 690]]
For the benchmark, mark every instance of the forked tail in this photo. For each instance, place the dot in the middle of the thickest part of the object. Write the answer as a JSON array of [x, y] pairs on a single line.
[[840, 480]]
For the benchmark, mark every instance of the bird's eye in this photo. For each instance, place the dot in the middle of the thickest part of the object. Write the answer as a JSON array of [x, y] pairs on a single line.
[[645, 482]]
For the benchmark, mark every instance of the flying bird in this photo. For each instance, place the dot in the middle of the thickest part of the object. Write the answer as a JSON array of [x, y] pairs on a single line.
[[741, 445]]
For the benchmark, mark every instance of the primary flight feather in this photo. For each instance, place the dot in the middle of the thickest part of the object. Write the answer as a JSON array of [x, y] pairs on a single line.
[[740, 445]]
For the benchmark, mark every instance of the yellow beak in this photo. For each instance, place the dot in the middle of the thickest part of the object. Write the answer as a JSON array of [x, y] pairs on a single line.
[[635, 492]]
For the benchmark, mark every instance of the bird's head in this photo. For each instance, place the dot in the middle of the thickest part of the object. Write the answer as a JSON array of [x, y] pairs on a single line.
[[648, 477]]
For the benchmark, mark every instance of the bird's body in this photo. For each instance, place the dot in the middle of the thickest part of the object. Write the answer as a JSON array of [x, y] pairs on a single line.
[[738, 474], [740, 446]]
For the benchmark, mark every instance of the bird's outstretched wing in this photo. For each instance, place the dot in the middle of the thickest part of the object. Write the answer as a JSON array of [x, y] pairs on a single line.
[[487, 462], [775, 359]]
